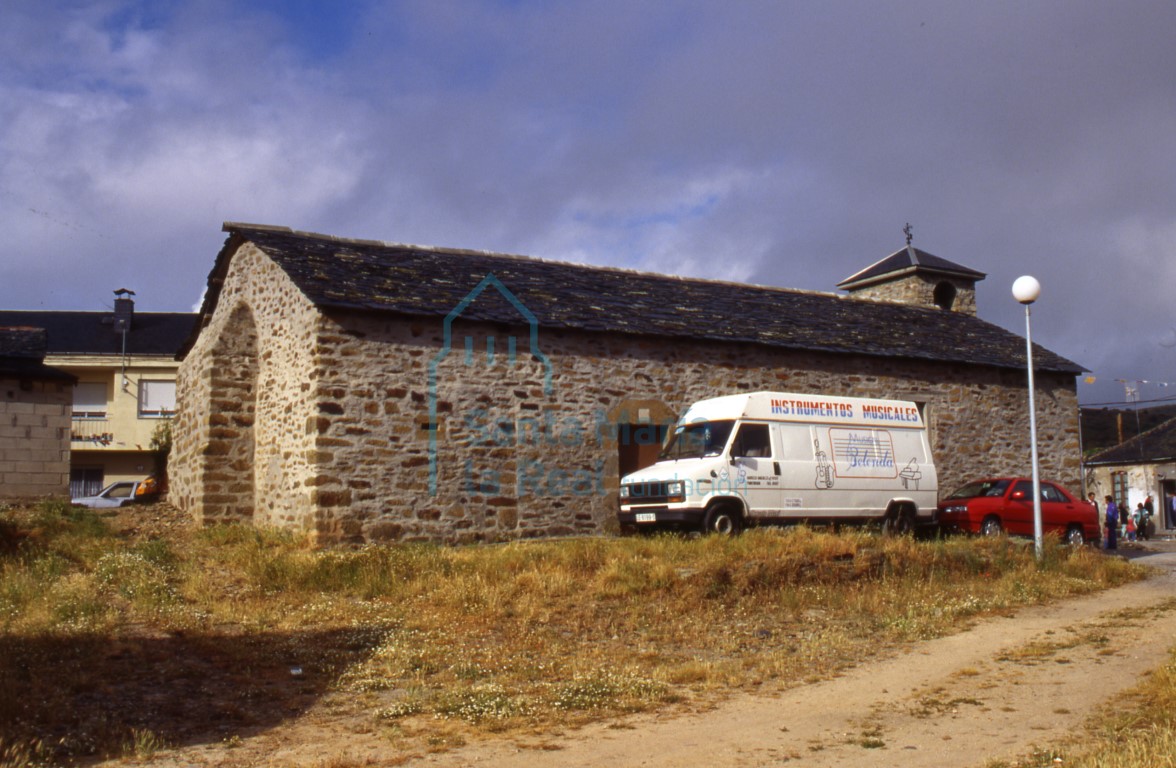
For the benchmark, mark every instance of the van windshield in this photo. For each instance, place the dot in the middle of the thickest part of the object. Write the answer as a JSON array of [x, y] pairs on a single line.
[[698, 439]]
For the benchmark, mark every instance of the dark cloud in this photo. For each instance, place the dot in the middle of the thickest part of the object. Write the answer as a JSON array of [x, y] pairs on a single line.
[[784, 144]]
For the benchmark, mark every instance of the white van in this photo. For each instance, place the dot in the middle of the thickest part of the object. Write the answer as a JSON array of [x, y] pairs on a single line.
[[771, 457]]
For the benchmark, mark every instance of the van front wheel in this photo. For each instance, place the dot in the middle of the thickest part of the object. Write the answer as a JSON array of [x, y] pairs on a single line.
[[722, 519]]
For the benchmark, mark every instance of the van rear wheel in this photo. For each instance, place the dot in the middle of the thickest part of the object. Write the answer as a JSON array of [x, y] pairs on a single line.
[[900, 522], [722, 519]]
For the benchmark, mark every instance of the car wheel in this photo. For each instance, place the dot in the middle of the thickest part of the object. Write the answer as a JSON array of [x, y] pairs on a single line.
[[900, 523], [1075, 537], [722, 519], [991, 527]]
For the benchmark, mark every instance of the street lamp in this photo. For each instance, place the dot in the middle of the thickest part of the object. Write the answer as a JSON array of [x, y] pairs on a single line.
[[1026, 289]]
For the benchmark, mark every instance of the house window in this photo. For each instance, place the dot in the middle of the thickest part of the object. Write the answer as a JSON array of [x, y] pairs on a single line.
[[1119, 489], [157, 399], [89, 401]]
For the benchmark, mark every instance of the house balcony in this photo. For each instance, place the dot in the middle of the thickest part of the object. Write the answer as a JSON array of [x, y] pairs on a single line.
[[90, 432]]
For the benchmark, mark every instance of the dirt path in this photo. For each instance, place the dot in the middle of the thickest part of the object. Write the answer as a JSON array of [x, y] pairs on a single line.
[[993, 691]]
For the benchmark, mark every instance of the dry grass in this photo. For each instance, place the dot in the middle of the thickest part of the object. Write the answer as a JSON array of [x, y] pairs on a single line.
[[131, 643], [1136, 730]]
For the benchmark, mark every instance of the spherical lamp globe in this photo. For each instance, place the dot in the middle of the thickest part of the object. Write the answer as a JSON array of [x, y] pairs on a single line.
[[1026, 289]]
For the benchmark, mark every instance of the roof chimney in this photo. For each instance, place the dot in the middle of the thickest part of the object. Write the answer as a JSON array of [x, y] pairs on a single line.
[[124, 310]]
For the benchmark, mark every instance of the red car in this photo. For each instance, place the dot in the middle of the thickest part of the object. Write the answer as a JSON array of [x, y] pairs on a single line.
[[1006, 504]]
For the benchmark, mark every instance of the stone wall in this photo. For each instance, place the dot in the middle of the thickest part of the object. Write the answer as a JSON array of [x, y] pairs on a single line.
[[245, 394], [515, 458], [919, 290], [34, 438]]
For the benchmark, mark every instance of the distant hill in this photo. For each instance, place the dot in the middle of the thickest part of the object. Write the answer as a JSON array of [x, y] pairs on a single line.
[[1107, 427]]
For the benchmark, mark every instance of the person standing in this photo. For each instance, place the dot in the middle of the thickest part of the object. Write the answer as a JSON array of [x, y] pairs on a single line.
[[1112, 519]]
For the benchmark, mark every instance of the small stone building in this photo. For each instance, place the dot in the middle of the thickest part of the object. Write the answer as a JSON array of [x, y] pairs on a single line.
[[35, 404], [371, 391]]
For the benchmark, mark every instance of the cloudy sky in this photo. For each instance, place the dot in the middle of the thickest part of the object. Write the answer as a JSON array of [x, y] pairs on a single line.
[[776, 142]]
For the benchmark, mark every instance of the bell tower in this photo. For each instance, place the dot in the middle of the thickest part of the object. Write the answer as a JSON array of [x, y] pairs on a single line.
[[912, 276]]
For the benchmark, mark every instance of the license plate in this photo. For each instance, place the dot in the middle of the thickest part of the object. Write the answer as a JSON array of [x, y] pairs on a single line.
[[646, 517]]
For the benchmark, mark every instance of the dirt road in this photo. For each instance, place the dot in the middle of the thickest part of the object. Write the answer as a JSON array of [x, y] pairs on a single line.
[[996, 690]]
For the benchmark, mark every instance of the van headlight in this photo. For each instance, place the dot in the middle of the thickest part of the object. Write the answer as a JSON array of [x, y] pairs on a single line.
[[676, 491], [624, 491]]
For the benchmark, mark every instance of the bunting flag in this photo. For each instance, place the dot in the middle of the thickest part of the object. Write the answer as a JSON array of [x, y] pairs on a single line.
[[1133, 391], [1127, 382]]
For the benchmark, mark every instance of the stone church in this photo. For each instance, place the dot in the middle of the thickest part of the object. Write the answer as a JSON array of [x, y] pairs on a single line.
[[368, 391]]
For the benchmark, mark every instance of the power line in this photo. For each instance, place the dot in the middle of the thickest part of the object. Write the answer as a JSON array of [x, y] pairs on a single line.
[[1130, 402]]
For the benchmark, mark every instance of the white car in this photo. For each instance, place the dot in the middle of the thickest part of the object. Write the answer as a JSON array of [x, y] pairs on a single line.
[[118, 494]]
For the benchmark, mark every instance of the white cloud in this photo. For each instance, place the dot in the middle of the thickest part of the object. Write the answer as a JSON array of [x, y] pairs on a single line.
[[776, 143]]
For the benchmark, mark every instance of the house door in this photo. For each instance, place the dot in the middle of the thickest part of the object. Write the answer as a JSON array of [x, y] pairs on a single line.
[[1166, 515], [756, 470], [638, 446]]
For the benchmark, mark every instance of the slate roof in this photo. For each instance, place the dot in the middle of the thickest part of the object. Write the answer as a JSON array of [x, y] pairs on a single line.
[[92, 333], [429, 282], [22, 352], [22, 342], [1154, 446], [909, 260]]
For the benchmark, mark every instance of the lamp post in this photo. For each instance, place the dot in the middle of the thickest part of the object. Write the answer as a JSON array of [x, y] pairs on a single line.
[[1026, 289]]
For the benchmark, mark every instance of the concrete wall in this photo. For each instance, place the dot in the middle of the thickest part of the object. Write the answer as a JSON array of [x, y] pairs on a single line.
[[127, 454], [34, 438]]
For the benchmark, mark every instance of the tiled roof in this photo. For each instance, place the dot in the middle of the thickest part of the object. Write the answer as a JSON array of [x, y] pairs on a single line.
[[429, 282], [1158, 444], [909, 260], [92, 333]]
